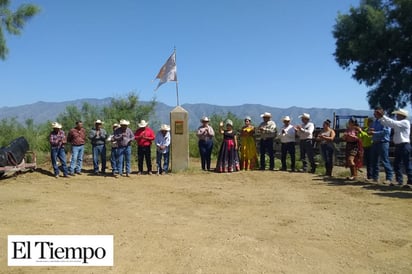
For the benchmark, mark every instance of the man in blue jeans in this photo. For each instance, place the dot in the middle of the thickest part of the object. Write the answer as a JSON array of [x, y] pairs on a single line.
[[401, 138], [380, 147], [268, 132], [98, 137], [124, 136], [77, 138]]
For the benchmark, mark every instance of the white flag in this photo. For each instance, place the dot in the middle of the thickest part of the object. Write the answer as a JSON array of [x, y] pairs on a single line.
[[168, 71]]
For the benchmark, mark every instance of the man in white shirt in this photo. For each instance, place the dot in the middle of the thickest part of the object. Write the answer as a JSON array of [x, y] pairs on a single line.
[[162, 141], [267, 130], [401, 137], [305, 133], [287, 140]]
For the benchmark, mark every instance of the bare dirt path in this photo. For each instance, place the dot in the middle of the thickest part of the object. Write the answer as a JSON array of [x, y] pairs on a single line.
[[200, 222]]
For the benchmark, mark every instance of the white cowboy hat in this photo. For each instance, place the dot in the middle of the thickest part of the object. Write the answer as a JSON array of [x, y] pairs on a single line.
[[248, 118], [115, 125], [142, 123], [56, 125], [304, 115], [124, 122], [286, 118], [204, 119], [165, 127], [402, 112], [98, 122], [266, 114]]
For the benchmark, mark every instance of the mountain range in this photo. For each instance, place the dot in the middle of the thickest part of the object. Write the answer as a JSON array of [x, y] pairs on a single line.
[[42, 112]]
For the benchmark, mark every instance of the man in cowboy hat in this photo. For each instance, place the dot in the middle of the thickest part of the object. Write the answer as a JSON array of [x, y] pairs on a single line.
[[401, 137], [305, 133], [144, 137], [113, 153], [287, 140], [57, 139], [124, 136], [205, 134], [162, 142], [98, 137], [267, 130]]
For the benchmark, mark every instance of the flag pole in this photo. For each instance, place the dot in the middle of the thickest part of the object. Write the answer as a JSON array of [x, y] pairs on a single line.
[[177, 94], [177, 86]]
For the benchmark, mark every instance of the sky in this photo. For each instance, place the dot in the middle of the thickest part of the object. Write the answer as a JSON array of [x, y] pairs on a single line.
[[277, 53]]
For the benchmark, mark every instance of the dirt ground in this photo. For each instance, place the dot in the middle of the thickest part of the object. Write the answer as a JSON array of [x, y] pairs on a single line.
[[203, 222]]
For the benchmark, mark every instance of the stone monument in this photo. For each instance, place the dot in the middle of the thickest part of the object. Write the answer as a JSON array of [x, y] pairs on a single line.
[[179, 132]]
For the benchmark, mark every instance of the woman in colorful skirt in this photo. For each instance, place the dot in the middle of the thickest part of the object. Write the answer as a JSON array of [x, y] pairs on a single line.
[[354, 149], [228, 158]]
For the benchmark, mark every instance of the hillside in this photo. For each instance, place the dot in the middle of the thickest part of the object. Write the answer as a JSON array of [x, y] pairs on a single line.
[[41, 112]]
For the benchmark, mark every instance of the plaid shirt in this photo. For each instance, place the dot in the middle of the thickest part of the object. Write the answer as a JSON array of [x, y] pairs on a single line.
[[57, 139]]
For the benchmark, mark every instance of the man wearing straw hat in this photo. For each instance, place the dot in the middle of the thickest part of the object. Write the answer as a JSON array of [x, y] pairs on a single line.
[[144, 137], [267, 130], [401, 137], [305, 133], [124, 136], [98, 137], [57, 140], [287, 139], [113, 153], [162, 142], [205, 134]]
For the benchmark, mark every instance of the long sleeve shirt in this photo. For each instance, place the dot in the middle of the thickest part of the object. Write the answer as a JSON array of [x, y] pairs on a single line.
[[381, 133], [77, 137], [98, 137], [162, 142], [144, 136], [267, 130], [205, 133], [401, 128], [57, 139], [306, 131], [287, 134], [123, 137]]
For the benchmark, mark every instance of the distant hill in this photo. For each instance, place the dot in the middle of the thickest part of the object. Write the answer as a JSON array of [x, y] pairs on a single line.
[[41, 112]]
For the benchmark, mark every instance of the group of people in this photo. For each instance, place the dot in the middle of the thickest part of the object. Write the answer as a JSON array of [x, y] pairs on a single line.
[[235, 155], [120, 140], [367, 146], [370, 145]]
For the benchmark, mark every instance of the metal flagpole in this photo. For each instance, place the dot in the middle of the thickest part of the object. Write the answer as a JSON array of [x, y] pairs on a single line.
[[177, 86]]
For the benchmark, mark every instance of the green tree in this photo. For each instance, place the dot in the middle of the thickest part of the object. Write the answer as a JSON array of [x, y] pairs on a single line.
[[374, 40], [13, 22], [128, 108]]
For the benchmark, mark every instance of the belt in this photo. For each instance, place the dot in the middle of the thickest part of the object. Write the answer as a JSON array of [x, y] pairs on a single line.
[[401, 144]]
